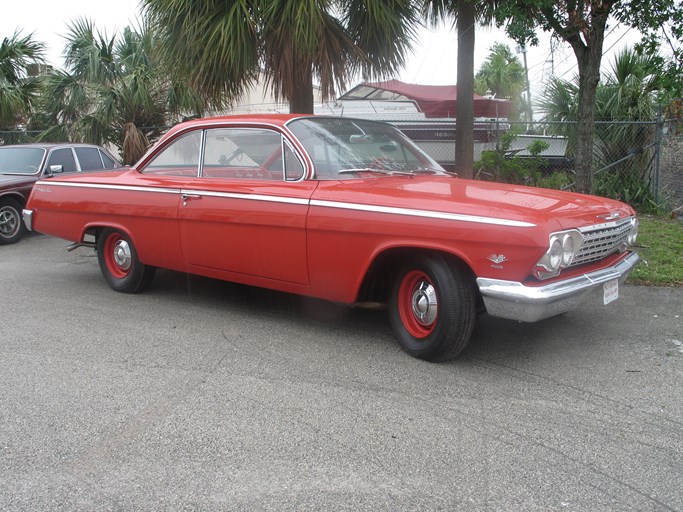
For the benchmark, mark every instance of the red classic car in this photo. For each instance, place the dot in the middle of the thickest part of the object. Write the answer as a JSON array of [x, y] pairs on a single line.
[[346, 210]]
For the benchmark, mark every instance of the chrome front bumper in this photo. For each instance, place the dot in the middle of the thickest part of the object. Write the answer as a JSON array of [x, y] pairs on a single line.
[[516, 301]]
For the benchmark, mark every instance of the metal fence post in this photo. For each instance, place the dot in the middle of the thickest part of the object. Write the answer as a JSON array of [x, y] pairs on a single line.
[[658, 147]]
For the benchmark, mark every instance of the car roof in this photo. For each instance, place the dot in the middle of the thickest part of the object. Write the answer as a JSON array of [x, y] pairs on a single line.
[[50, 145]]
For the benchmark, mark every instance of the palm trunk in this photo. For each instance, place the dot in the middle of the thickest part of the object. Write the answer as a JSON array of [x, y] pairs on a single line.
[[464, 128], [301, 100]]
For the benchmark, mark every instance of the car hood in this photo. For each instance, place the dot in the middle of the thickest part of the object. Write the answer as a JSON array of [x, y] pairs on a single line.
[[557, 209]]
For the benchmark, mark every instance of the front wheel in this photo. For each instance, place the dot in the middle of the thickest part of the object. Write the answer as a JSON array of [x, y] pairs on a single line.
[[433, 307], [119, 263], [11, 225]]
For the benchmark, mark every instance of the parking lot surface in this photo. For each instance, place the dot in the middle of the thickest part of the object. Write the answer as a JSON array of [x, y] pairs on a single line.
[[204, 395]]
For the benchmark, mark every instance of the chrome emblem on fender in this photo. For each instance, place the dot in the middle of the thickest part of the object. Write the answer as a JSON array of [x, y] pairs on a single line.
[[609, 216], [497, 259]]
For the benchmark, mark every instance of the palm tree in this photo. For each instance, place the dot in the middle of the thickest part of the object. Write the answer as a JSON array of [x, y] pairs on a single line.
[[18, 90], [113, 89], [465, 14], [223, 47], [502, 75], [627, 93]]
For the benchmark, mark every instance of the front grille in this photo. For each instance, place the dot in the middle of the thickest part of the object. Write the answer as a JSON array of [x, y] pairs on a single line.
[[602, 240]]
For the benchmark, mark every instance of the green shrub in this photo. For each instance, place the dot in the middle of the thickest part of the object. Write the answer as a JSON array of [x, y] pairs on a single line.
[[503, 165]]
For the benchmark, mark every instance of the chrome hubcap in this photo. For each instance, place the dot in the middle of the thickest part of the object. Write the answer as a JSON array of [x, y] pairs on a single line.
[[122, 255], [424, 302], [8, 222]]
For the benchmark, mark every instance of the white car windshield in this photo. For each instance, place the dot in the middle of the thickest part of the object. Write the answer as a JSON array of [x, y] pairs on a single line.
[[343, 148], [16, 160]]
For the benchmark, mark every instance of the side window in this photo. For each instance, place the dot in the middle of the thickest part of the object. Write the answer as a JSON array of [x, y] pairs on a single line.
[[294, 169], [63, 157], [108, 162], [89, 158], [247, 153], [179, 158]]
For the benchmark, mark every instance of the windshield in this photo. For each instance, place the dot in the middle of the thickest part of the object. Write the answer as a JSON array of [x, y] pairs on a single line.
[[14, 160], [343, 148]]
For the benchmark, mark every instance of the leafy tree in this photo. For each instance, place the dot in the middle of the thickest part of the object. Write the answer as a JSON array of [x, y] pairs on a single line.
[[628, 92], [223, 47], [112, 89], [582, 24], [503, 75], [18, 90]]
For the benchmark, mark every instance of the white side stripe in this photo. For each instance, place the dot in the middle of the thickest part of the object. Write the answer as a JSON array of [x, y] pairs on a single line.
[[301, 201], [161, 190], [250, 197], [422, 213]]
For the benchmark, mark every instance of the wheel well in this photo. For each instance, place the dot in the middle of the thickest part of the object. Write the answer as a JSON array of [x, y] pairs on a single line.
[[17, 198], [380, 276]]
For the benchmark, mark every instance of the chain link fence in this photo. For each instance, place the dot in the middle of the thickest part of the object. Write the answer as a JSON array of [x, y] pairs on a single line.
[[635, 161], [17, 137]]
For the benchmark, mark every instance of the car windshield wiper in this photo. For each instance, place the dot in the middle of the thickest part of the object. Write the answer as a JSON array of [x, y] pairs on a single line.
[[384, 172], [426, 170]]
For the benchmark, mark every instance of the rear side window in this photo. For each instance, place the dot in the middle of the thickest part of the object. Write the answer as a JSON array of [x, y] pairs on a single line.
[[179, 158], [108, 162], [63, 157], [89, 158]]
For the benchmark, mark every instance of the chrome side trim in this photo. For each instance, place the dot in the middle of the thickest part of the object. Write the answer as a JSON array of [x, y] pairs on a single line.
[[160, 190], [422, 213], [300, 201], [248, 197], [517, 301], [27, 215]]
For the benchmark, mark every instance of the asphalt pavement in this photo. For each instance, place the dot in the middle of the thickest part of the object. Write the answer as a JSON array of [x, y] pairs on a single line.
[[205, 395]]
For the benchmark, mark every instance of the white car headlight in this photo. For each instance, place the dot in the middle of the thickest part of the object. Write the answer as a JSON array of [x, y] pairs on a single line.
[[555, 253], [633, 234]]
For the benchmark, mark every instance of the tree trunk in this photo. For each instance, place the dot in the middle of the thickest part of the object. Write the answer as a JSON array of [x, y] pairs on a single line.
[[588, 58], [301, 100], [589, 77], [464, 128]]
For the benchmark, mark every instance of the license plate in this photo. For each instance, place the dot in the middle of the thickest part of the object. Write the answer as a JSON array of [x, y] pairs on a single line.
[[610, 291]]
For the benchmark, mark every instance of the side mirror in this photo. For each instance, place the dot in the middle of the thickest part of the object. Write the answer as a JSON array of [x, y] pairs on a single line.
[[56, 168]]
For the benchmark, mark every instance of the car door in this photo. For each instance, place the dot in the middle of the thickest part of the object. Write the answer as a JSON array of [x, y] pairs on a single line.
[[246, 211]]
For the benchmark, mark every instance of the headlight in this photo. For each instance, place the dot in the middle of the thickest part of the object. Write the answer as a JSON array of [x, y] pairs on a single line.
[[555, 254], [562, 249], [633, 234], [571, 243]]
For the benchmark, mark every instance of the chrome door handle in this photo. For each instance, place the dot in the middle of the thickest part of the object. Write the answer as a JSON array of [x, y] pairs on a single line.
[[185, 197]]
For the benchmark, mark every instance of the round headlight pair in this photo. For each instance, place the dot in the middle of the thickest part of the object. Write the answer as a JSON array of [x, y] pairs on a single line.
[[563, 248]]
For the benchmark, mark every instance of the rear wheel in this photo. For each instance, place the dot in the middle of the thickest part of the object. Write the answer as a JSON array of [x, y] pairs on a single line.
[[11, 225], [433, 307], [119, 263]]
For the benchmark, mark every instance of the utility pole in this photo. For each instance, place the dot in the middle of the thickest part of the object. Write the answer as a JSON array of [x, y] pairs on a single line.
[[530, 113]]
